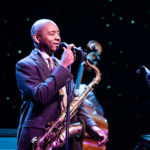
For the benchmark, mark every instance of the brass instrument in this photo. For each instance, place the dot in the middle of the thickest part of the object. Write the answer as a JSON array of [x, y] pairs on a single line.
[[45, 141]]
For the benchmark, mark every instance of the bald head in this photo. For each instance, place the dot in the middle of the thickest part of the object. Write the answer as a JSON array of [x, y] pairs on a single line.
[[45, 35], [37, 26]]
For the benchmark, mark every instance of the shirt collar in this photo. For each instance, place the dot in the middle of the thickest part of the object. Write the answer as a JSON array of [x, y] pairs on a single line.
[[44, 55]]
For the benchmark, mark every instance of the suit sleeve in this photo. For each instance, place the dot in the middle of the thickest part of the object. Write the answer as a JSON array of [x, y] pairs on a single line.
[[84, 117], [30, 85]]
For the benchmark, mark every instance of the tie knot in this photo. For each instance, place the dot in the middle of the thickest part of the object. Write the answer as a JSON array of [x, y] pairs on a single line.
[[50, 63]]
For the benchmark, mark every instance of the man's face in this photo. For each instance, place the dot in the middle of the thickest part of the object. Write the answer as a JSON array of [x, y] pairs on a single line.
[[49, 37]]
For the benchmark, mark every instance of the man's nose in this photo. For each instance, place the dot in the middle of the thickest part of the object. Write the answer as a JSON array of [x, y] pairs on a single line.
[[58, 37]]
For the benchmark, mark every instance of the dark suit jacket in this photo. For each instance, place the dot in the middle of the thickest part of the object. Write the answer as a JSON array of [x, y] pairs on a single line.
[[39, 89]]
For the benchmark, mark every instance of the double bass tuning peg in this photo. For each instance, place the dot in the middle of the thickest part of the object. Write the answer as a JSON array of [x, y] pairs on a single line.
[[94, 46], [96, 49]]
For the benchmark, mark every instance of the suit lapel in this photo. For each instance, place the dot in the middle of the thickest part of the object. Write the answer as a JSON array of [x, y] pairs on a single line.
[[40, 62]]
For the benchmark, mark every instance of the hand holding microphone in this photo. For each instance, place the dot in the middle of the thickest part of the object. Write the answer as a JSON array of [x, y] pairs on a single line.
[[74, 50], [68, 56]]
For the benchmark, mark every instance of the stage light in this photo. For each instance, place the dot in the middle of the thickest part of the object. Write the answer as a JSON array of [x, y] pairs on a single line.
[[7, 98], [8, 54], [120, 18], [119, 95], [113, 14], [107, 25], [132, 22], [103, 18], [5, 21], [121, 51], [19, 51], [108, 87], [110, 43], [27, 19]]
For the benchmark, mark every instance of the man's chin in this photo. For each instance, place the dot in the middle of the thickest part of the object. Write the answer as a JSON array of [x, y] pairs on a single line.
[[54, 50], [57, 48]]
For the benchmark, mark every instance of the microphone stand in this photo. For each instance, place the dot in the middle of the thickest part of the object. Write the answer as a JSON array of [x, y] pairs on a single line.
[[68, 113], [83, 56]]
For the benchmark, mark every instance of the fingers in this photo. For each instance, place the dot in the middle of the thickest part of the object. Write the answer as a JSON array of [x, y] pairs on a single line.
[[69, 48], [74, 54], [68, 56], [101, 142], [99, 135]]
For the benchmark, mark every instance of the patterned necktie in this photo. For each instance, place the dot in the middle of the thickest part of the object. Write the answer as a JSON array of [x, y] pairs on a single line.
[[50, 63]]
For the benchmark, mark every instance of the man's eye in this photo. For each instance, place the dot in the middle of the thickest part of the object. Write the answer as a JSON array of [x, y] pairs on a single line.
[[51, 34]]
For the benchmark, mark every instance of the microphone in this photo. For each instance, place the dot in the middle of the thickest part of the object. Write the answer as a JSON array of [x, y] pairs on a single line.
[[64, 44], [81, 52]]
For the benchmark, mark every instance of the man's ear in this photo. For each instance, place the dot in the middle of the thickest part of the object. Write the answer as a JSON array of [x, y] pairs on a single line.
[[36, 38]]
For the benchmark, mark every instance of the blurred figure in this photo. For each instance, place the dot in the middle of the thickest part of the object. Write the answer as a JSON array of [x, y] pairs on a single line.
[[92, 102], [143, 87]]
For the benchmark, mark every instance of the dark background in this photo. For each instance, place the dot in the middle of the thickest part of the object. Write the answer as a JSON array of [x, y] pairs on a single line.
[[122, 28]]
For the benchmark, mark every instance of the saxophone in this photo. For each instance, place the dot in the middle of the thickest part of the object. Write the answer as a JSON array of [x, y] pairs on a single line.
[[45, 141]]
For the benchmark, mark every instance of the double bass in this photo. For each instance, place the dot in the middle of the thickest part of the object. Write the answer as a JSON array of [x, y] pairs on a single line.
[[91, 103]]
